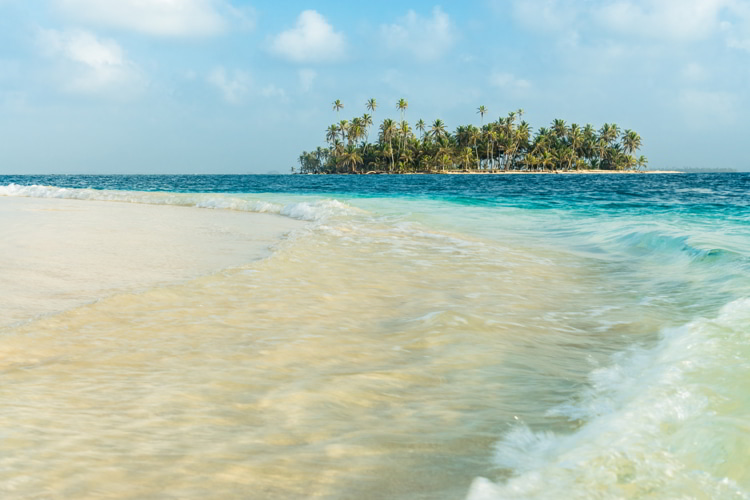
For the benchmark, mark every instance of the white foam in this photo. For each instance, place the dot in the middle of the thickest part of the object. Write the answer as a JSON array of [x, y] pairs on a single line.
[[318, 210], [649, 424]]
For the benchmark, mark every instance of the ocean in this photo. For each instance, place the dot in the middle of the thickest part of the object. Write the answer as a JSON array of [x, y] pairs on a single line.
[[418, 337]]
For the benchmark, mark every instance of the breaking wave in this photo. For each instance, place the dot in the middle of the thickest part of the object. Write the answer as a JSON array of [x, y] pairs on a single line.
[[314, 210], [663, 422]]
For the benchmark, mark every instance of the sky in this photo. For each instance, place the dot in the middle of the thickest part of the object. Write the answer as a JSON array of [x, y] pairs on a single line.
[[234, 86]]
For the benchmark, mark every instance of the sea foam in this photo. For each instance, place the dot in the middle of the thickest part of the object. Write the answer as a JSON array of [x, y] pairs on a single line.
[[667, 420], [316, 211]]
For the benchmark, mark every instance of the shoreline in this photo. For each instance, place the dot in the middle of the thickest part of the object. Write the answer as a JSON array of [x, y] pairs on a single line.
[[60, 254], [512, 172], [565, 172]]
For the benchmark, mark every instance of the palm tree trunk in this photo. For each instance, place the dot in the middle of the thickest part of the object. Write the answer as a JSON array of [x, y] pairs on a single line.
[[390, 144]]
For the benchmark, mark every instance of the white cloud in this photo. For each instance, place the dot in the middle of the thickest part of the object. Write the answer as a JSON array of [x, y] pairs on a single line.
[[671, 20], [694, 72], [679, 20], [233, 87], [237, 87], [307, 79], [91, 65], [737, 32], [734, 42], [543, 15], [508, 81], [273, 92], [157, 17], [312, 40], [426, 39]]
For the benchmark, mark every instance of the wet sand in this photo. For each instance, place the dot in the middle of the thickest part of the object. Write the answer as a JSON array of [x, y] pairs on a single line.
[[57, 254]]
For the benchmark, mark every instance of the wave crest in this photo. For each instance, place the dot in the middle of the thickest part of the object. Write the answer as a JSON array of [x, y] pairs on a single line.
[[668, 420], [317, 210]]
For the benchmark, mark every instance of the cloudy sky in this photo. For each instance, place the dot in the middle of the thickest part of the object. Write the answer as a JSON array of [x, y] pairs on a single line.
[[234, 86]]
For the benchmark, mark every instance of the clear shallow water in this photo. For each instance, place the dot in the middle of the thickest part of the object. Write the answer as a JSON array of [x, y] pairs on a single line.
[[498, 337]]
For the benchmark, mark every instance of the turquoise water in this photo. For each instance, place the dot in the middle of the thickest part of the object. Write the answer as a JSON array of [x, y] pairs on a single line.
[[504, 337]]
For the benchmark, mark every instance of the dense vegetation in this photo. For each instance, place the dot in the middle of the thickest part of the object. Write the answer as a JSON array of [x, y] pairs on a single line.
[[507, 144]]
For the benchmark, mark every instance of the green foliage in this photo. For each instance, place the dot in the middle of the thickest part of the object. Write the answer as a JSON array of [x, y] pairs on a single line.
[[507, 144]]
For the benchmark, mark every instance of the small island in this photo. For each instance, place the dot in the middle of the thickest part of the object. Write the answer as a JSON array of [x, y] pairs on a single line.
[[504, 146]]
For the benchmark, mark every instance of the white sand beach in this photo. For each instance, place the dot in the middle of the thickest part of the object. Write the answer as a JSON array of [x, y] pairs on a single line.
[[58, 253]]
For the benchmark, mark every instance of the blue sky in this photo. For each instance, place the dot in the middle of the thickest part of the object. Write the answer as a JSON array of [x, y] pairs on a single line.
[[229, 86]]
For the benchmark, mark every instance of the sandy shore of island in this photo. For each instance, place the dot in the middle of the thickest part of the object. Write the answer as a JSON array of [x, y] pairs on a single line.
[[517, 172], [564, 172], [60, 253]]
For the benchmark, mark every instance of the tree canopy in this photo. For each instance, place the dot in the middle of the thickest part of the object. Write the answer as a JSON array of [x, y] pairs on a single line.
[[507, 144]]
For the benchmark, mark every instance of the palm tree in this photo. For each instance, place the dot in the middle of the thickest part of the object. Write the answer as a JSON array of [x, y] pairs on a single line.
[[615, 132], [424, 163], [371, 106], [588, 146], [541, 141], [602, 146], [406, 158], [367, 123], [616, 156], [351, 158], [462, 135], [466, 157], [482, 110], [515, 140], [445, 153], [405, 131], [547, 160], [559, 128], [507, 138], [631, 141], [629, 162], [532, 161], [321, 155], [421, 126], [521, 143], [344, 129], [511, 119], [491, 138], [641, 162], [402, 105], [337, 153], [575, 139], [337, 106], [332, 133], [565, 156], [356, 130], [474, 136], [438, 130], [607, 135], [387, 131]]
